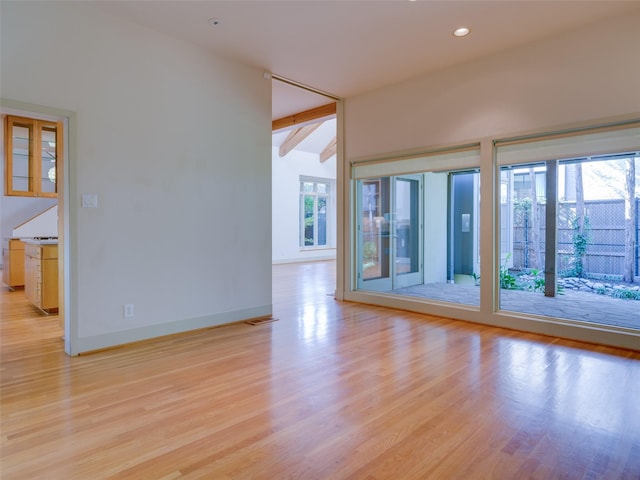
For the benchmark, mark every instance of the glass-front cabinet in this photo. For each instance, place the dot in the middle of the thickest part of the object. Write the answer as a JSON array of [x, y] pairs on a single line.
[[32, 150]]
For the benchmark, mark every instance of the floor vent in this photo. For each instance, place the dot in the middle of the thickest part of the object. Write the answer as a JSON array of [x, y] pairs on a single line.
[[261, 320]]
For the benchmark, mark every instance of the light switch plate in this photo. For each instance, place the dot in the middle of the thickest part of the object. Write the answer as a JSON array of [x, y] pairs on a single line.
[[89, 200]]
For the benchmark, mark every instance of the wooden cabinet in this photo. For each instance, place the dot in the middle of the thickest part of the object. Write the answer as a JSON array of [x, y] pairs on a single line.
[[32, 150], [41, 274], [13, 262]]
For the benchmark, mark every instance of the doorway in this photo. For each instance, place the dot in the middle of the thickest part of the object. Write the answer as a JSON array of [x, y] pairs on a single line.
[[67, 120], [304, 160], [389, 232]]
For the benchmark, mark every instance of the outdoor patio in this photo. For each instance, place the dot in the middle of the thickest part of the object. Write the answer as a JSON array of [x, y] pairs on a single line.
[[571, 304]]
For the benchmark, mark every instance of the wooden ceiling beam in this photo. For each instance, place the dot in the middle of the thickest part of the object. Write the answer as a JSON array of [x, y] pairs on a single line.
[[303, 117], [296, 136], [328, 151]]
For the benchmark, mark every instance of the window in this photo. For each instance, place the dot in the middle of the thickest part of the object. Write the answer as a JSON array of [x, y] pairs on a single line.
[[418, 226], [523, 187], [32, 148], [314, 199]]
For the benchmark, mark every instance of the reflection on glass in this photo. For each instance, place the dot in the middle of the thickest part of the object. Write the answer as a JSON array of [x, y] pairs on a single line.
[[375, 229], [22, 138], [407, 226], [48, 159]]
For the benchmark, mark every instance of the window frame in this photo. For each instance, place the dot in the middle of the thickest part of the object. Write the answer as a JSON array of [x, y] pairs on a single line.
[[301, 205]]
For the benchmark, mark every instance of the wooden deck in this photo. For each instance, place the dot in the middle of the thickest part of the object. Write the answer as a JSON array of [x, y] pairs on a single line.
[[332, 390]]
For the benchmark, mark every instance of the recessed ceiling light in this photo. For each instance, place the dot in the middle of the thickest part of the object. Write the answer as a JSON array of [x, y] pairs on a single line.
[[461, 32], [214, 22]]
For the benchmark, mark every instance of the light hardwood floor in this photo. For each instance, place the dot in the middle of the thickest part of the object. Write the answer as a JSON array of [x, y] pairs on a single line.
[[330, 391]]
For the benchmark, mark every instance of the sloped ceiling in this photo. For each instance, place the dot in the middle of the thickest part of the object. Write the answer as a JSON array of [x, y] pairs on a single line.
[[314, 143]]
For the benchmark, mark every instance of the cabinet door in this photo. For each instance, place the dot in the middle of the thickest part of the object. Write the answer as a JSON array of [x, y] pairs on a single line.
[[49, 145], [19, 135], [15, 266], [32, 152], [6, 266], [30, 278], [49, 293]]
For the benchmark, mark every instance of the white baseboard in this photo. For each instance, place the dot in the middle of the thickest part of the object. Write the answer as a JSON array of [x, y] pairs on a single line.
[[114, 339], [314, 258]]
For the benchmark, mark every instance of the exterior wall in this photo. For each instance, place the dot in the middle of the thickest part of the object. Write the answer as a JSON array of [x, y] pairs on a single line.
[[175, 143], [286, 205]]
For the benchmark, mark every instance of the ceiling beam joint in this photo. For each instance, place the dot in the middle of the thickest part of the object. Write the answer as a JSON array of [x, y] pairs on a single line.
[[329, 150], [296, 136]]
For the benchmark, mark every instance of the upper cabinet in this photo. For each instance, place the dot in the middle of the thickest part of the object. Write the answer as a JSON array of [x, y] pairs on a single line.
[[32, 150]]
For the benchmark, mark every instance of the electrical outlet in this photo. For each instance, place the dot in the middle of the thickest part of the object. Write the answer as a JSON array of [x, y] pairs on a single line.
[[128, 310]]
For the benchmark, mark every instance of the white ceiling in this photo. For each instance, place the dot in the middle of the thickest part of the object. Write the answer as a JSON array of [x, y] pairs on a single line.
[[350, 47]]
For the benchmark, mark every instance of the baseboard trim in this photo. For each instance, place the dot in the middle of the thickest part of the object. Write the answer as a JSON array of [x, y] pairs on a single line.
[[96, 343], [310, 258]]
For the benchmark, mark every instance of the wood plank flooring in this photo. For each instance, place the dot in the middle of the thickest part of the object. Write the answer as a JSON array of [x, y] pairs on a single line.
[[331, 390]]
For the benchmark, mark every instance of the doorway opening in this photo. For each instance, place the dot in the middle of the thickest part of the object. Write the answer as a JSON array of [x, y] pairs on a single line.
[[304, 175], [29, 216]]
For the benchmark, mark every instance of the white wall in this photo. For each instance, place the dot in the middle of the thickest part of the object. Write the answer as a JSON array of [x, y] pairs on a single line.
[[45, 224], [286, 205], [175, 142], [585, 74]]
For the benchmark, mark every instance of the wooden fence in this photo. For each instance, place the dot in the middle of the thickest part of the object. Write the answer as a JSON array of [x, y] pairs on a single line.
[[605, 238]]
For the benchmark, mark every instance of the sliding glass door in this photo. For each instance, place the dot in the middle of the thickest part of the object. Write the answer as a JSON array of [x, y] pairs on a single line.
[[389, 232]]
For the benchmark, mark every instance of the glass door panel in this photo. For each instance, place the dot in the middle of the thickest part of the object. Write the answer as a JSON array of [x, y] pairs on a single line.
[[407, 232], [21, 153], [48, 158], [389, 230], [374, 243]]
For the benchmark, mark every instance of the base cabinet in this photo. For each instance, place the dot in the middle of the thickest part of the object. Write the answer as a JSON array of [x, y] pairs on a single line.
[[41, 275], [13, 262]]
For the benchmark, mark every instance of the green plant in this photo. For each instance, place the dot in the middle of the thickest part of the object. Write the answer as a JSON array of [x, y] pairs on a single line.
[[625, 293], [580, 242], [507, 281], [538, 281], [369, 251]]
